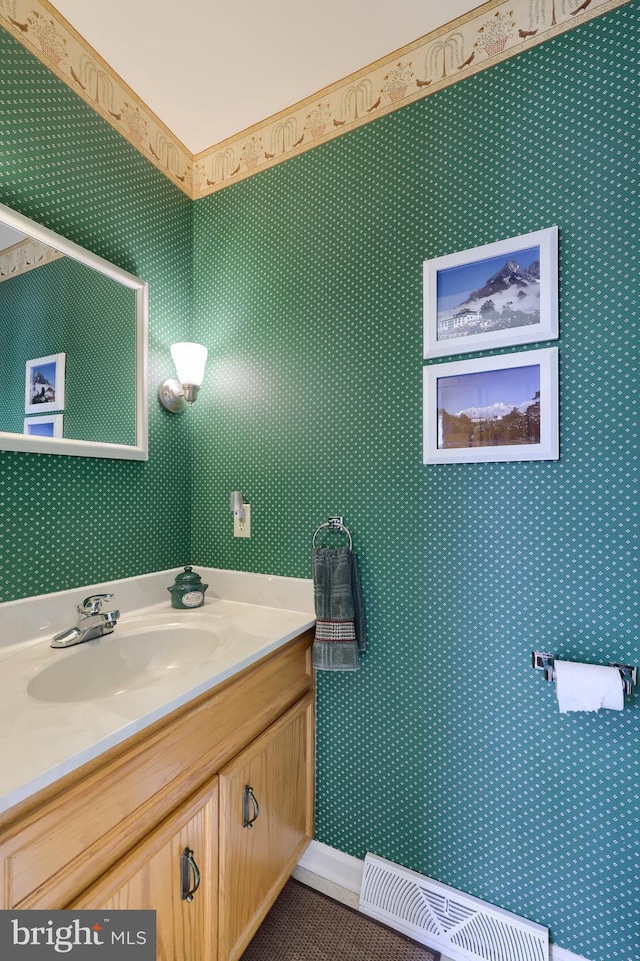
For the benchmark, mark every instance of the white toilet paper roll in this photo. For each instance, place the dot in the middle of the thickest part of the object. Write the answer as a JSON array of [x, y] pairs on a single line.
[[588, 687]]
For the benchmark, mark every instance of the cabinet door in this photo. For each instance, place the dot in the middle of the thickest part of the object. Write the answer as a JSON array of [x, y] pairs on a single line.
[[158, 873], [266, 822]]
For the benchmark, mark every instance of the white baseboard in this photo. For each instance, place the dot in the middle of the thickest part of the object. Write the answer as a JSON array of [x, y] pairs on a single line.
[[561, 954], [333, 866], [345, 871]]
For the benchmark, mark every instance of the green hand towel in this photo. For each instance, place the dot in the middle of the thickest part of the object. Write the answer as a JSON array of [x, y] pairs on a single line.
[[341, 631]]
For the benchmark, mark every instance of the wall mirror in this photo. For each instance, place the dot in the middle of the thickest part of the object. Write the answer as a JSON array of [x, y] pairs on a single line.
[[73, 347]]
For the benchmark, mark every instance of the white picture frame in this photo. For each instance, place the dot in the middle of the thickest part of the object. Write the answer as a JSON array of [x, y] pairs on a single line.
[[486, 409], [47, 426], [473, 302], [44, 384]]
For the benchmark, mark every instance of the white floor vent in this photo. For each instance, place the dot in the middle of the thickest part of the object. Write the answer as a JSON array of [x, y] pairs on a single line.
[[462, 927]]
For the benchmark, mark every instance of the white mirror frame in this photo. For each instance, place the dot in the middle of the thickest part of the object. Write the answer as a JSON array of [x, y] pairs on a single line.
[[65, 445]]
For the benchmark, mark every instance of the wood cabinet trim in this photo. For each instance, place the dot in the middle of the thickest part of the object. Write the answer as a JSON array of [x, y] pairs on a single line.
[[254, 863], [150, 878], [109, 883]]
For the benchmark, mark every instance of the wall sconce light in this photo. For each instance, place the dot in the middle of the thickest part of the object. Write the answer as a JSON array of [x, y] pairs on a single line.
[[189, 360]]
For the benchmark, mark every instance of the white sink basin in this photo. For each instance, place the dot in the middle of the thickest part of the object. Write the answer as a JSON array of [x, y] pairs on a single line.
[[128, 659]]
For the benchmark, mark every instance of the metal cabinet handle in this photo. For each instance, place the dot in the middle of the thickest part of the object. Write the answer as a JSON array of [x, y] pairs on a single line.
[[249, 796], [188, 866]]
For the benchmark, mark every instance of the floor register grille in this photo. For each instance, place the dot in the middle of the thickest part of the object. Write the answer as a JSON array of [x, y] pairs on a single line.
[[464, 928]]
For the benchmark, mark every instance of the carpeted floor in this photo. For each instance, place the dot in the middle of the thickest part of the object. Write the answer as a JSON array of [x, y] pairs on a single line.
[[304, 925]]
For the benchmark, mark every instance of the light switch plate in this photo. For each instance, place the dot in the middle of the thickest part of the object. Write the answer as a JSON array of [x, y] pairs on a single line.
[[242, 528]]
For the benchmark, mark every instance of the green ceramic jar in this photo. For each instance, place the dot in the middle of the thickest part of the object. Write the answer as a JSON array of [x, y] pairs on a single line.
[[188, 590]]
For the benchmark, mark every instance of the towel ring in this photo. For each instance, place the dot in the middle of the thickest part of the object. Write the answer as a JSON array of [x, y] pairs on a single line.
[[334, 524]]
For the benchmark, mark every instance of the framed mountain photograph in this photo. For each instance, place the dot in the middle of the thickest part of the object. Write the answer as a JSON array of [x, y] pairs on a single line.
[[502, 408], [44, 384], [496, 295]]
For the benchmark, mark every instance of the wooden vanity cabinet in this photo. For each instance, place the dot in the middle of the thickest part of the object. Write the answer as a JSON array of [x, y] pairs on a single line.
[[266, 822], [178, 858], [113, 834]]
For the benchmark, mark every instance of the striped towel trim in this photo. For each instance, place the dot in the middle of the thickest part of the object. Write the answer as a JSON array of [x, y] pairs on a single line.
[[335, 631]]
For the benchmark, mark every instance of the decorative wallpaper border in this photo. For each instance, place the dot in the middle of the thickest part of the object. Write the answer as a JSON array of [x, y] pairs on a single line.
[[493, 32], [24, 256], [49, 36]]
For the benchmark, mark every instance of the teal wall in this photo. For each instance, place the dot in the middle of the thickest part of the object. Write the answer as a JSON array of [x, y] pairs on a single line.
[[446, 752], [66, 307], [66, 521]]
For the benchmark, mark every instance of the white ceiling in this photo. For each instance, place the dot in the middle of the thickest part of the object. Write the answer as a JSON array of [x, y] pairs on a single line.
[[209, 70]]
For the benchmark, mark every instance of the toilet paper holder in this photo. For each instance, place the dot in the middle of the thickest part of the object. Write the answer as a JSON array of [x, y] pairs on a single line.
[[542, 661]]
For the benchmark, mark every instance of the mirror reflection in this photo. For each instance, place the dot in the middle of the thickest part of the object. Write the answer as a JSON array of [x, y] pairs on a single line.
[[72, 347]]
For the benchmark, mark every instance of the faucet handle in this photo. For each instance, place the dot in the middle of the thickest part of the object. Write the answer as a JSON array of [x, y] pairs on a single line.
[[93, 603]]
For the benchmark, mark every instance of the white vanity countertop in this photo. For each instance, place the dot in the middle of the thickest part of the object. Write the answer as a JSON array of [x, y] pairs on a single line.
[[43, 740]]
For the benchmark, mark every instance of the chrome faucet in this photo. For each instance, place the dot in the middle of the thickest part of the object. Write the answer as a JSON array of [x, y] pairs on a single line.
[[92, 622]]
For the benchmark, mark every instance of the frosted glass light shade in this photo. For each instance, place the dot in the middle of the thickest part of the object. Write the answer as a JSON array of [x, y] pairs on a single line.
[[189, 360]]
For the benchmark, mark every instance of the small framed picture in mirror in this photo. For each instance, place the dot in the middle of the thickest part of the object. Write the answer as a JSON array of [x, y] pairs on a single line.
[[48, 426]]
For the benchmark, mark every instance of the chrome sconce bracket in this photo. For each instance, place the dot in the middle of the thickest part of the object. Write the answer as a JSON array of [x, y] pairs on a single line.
[[171, 396], [175, 396]]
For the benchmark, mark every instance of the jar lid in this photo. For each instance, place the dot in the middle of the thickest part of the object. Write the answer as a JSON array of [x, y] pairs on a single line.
[[188, 579]]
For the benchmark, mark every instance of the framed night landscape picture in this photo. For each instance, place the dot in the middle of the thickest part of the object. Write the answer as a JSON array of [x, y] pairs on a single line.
[[44, 426], [492, 296], [502, 408]]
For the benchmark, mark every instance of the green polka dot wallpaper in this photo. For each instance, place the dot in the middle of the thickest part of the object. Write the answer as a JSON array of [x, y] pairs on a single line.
[[67, 521], [446, 751]]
